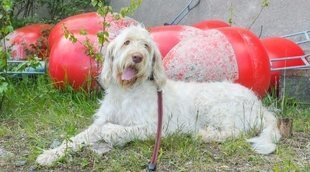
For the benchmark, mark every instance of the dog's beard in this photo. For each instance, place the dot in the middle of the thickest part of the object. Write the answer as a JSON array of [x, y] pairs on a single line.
[[129, 73]]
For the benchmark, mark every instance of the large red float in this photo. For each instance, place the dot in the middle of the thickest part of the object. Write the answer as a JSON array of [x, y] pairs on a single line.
[[71, 65], [228, 53], [278, 48], [210, 24], [27, 41], [166, 37], [90, 22]]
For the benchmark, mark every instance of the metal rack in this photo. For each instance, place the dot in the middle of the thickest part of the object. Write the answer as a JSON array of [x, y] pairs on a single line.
[[300, 38], [305, 59], [39, 70], [304, 36], [191, 5]]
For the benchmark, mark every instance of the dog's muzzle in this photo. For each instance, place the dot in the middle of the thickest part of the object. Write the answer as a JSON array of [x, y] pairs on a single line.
[[131, 70]]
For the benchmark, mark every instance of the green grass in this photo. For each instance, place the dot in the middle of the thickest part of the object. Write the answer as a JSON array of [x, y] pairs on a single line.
[[35, 114]]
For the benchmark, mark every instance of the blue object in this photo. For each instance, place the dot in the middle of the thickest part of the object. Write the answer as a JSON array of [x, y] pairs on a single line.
[[28, 71]]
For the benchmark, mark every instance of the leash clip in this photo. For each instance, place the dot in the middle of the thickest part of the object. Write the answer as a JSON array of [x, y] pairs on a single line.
[[151, 167]]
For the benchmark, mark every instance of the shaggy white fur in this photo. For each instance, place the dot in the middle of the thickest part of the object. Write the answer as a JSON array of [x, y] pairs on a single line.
[[215, 111]]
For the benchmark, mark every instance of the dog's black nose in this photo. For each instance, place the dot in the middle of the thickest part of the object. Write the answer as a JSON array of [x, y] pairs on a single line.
[[137, 57]]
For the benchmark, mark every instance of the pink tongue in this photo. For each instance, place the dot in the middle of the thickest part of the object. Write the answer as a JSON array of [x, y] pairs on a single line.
[[128, 73]]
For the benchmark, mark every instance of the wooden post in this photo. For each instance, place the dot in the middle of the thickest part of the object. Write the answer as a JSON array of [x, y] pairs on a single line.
[[286, 126]]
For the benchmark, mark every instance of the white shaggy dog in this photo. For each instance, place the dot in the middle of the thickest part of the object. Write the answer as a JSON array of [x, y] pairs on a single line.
[[214, 111]]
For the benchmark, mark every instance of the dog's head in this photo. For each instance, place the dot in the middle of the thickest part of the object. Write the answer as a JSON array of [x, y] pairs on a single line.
[[131, 58]]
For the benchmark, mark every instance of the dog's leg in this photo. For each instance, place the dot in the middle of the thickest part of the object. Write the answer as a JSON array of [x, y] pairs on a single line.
[[219, 135], [112, 134], [87, 137]]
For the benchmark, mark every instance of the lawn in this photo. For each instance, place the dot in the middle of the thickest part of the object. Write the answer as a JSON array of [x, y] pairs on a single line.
[[36, 116]]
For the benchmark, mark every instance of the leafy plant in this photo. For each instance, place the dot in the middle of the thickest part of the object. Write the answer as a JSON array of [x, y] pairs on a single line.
[[264, 4], [25, 11], [231, 14], [59, 9], [5, 28]]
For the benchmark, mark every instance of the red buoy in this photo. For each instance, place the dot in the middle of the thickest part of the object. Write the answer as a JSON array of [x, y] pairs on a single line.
[[228, 53], [70, 64], [91, 22], [28, 40], [210, 24], [278, 48], [166, 37]]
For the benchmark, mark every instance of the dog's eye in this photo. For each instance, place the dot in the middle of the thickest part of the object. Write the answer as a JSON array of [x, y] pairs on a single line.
[[146, 46], [127, 42]]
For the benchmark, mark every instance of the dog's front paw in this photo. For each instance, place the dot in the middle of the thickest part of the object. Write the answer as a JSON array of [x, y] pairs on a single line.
[[49, 156], [100, 148]]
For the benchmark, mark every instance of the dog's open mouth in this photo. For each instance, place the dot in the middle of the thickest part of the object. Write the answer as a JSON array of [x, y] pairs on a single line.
[[129, 73]]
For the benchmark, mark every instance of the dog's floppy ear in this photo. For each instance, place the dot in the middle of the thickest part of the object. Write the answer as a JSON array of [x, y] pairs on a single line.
[[106, 73], [159, 74]]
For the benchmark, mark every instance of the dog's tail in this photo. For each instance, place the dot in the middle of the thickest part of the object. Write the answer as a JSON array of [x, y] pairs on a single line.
[[270, 134]]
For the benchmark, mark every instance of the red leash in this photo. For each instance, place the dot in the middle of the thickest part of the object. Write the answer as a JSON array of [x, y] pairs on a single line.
[[152, 164]]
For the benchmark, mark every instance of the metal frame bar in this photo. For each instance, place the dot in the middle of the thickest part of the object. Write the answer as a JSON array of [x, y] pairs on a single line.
[[26, 72], [305, 34], [184, 12], [304, 58]]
